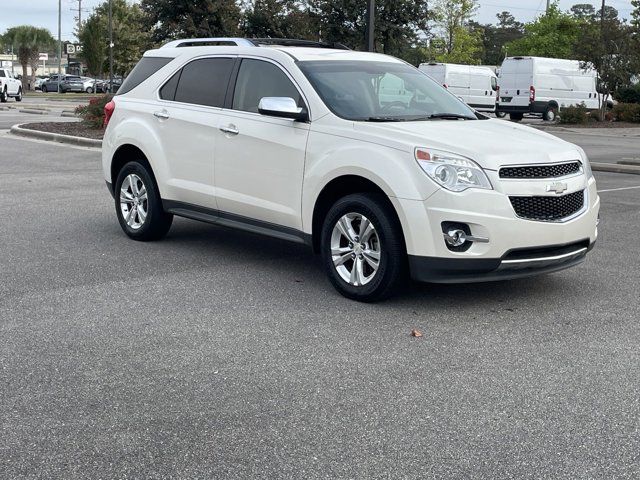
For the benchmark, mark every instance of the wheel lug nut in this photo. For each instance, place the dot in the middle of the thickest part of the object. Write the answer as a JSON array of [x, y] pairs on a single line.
[[353, 255]]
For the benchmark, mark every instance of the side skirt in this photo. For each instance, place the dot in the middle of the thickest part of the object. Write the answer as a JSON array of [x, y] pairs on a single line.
[[216, 217]]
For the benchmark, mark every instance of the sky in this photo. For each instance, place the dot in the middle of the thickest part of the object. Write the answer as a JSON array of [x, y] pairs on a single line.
[[44, 13]]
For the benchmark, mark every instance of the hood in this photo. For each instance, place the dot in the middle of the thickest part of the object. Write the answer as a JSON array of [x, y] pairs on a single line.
[[491, 143]]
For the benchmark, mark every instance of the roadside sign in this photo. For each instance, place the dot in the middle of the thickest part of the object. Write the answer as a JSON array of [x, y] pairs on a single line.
[[72, 48], [6, 64], [43, 57]]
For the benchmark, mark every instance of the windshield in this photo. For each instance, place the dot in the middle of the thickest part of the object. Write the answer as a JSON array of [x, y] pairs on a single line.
[[382, 91]]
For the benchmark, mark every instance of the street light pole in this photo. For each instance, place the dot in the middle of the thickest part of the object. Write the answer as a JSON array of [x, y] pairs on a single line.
[[371, 29], [59, 42], [110, 47]]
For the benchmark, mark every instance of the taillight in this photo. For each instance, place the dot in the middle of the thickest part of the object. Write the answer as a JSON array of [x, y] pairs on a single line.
[[108, 111], [532, 94]]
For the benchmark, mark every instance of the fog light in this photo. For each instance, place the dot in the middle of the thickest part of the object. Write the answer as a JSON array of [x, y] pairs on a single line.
[[455, 237]]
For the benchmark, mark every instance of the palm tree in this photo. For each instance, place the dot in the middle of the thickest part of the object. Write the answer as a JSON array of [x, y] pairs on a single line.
[[28, 41]]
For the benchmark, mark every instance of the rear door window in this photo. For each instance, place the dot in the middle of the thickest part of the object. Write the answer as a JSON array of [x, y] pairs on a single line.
[[202, 82], [146, 67]]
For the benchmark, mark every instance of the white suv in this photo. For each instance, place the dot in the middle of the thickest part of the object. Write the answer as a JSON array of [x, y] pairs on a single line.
[[9, 86], [298, 141]]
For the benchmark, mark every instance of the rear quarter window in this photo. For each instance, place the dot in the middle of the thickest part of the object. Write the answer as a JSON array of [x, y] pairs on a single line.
[[146, 67]]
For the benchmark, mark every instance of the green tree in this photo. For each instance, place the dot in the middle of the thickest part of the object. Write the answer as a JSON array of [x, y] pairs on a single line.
[[495, 37], [94, 40], [279, 19], [398, 24], [129, 40], [28, 42], [458, 40], [635, 16], [550, 35], [583, 11], [171, 19]]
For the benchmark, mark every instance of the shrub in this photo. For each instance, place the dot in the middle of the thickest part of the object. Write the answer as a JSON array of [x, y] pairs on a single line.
[[93, 114], [574, 115], [627, 112], [628, 95]]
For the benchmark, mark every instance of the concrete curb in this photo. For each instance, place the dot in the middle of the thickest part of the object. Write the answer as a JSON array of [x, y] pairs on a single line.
[[615, 168], [34, 111], [56, 137], [593, 132]]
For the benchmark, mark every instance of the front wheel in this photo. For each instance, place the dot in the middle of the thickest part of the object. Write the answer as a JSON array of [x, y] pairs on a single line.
[[363, 248], [89, 90], [4, 96], [138, 204], [44, 89], [501, 114]]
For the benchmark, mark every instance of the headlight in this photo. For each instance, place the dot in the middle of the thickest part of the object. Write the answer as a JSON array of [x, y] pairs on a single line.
[[451, 171], [585, 164]]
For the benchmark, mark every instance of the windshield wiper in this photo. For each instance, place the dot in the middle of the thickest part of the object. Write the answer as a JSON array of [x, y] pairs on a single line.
[[451, 116], [386, 119]]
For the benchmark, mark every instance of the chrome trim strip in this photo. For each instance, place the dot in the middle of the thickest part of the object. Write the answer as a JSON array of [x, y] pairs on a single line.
[[547, 259], [564, 162]]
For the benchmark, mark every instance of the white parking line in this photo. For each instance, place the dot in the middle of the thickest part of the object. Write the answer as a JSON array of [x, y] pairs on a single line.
[[618, 189]]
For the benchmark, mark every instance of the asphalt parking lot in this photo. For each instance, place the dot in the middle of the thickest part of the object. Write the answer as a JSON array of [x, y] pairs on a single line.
[[219, 354]]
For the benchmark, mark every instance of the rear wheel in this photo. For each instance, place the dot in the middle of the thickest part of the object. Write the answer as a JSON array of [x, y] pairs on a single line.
[[363, 249], [516, 117], [44, 89], [501, 114], [19, 96], [138, 204], [550, 113], [89, 90]]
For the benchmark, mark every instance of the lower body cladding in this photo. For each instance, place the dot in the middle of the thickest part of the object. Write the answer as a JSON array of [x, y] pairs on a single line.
[[476, 236]]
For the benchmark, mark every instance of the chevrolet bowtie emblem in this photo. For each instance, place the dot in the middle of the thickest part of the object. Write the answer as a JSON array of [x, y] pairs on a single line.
[[557, 187]]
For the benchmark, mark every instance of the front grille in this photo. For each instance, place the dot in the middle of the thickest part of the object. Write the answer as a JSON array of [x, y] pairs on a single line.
[[540, 171], [548, 209]]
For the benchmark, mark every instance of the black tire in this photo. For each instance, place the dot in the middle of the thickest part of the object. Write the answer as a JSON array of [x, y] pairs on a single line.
[[516, 117], [501, 114], [4, 96], [157, 222], [19, 96], [550, 113], [392, 266], [44, 89]]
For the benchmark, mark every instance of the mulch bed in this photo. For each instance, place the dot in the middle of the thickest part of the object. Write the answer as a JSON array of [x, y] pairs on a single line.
[[599, 125], [75, 129]]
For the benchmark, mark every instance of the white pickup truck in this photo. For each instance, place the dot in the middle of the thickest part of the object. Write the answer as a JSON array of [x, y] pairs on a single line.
[[9, 86]]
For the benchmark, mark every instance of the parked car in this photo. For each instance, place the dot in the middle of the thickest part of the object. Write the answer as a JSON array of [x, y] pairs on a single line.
[[10, 87], [302, 144], [476, 86], [543, 86], [51, 83], [72, 83], [39, 82], [90, 85]]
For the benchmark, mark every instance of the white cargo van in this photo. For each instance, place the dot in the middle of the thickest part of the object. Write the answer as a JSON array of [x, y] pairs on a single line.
[[544, 86], [476, 86]]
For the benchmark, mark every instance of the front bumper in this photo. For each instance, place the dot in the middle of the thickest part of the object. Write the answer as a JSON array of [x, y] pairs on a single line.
[[513, 265], [538, 246]]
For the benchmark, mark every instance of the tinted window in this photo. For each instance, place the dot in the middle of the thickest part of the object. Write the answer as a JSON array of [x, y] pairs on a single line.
[[168, 90], [205, 81], [258, 79], [1, 73], [146, 67]]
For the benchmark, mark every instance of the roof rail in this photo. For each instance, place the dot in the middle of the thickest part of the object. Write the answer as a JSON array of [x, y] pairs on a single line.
[[251, 42], [209, 42], [291, 42]]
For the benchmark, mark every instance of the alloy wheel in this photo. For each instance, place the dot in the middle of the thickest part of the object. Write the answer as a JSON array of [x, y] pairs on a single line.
[[134, 204], [355, 249]]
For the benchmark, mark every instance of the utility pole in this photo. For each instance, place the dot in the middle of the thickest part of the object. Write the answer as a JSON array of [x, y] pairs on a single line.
[[110, 46], [59, 42], [371, 28], [548, 5]]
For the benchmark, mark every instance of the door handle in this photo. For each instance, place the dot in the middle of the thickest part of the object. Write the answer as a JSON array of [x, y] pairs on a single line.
[[230, 130], [163, 115]]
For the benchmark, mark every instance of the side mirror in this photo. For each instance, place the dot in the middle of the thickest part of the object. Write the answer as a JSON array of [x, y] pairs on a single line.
[[282, 107]]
